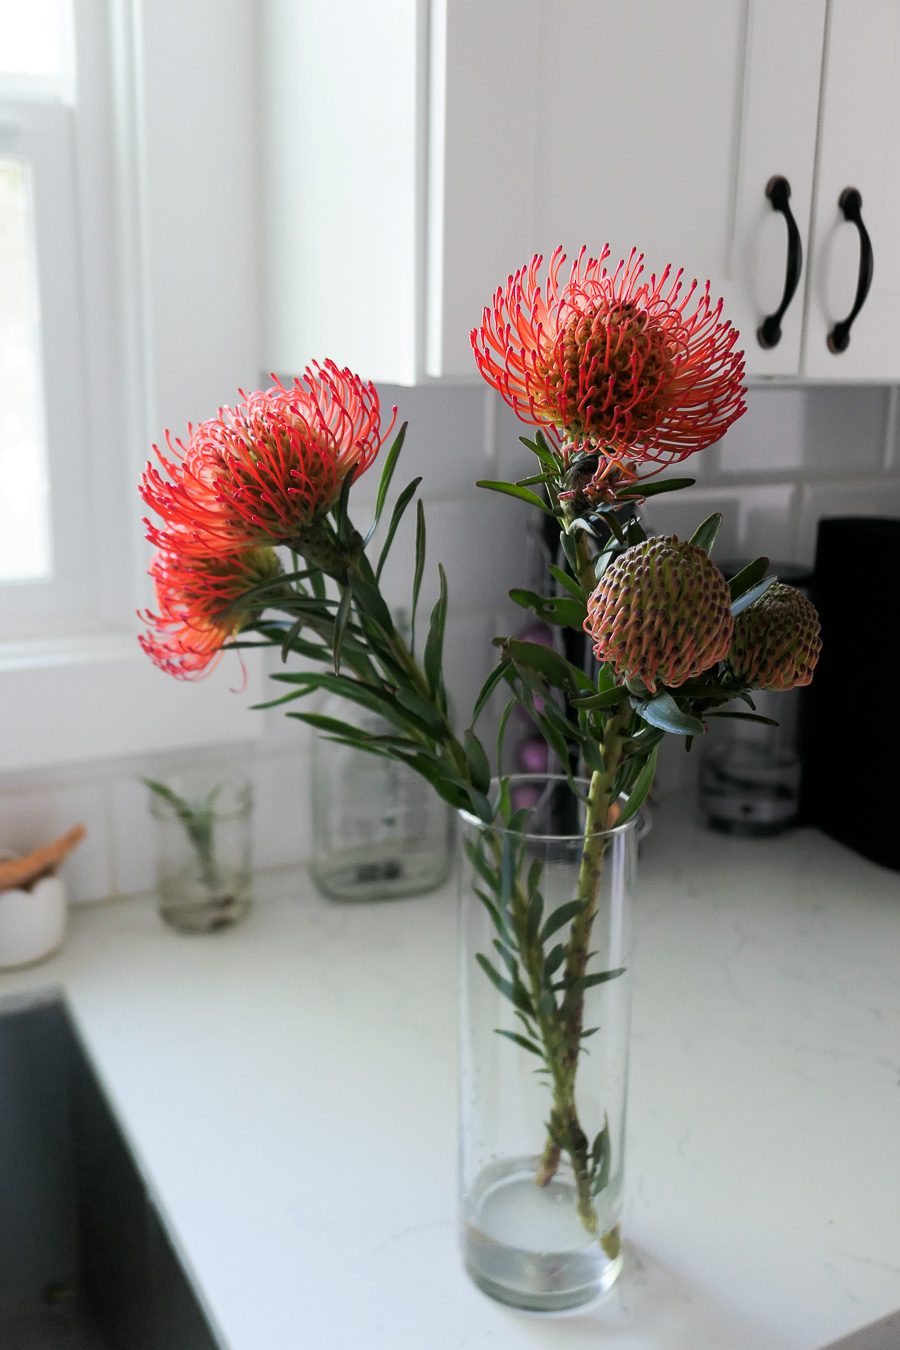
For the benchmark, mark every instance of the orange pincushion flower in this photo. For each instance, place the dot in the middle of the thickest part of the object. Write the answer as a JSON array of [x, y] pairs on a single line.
[[198, 599], [265, 469], [606, 362]]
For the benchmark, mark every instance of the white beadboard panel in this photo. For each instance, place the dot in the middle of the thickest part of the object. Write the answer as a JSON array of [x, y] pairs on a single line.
[[444, 441], [681, 512], [29, 820], [282, 812], [480, 539], [766, 522], [119, 703], [878, 498], [770, 435], [133, 832]]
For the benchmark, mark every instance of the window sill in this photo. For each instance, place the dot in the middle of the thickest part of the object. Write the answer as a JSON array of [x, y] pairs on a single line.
[[95, 695]]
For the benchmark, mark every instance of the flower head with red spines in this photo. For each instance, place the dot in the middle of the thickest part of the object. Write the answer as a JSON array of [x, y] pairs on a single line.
[[199, 601], [635, 370], [263, 470]]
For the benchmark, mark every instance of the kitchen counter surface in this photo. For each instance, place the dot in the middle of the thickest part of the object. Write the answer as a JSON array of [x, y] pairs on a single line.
[[288, 1088]]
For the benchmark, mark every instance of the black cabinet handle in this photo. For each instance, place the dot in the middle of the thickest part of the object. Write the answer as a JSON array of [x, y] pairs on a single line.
[[778, 191], [850, 202]]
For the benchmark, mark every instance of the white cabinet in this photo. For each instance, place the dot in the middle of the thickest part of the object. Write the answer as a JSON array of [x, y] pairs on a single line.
[[420, 152]]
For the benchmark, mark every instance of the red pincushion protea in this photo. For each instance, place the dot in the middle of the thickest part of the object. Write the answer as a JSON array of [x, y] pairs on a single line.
[[198, 604], [265, 469], [607, 362]]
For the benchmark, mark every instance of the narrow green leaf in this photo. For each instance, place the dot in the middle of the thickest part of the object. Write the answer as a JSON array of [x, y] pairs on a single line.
[[609, 698], [426, 712], [340, 623], [543, 453], [317, 581], [600, 977], [341, 514], [563, 611], [748, 577], [516, 993], [568, 583], [534, 915], [642, 785], [546, 662], [746, 717], [654, 488], [501, 733], [749, 597], [568, 548], [400, 506], [420, 568], [369, 600], [290, 637], [489, 686], [663, 712], [553, 961], [512, 490], [546, 1003], [705, 535], [479, 767], [520, 1040], [432, 657], [561, 916], [387, 474]]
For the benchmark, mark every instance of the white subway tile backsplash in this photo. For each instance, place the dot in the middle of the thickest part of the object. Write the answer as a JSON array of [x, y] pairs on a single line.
[[681, 512], [444, 440], [824, 430], [766, 522]]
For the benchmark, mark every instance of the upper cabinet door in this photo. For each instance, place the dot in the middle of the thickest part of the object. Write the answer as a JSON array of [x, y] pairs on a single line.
[[859, 147], [651, 125]]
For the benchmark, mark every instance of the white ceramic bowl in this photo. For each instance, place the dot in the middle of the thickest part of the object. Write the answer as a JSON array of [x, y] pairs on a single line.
[[32, 923]]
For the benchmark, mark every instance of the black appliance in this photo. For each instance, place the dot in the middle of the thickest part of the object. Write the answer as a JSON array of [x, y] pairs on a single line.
[[851, 720]]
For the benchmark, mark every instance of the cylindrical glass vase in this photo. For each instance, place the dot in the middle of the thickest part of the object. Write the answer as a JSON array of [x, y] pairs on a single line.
[[545, 1008], [203, 860]]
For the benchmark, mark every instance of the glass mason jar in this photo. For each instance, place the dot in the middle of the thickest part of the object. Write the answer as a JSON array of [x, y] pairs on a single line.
[[379, 830], [544, 1050], [203, 871]]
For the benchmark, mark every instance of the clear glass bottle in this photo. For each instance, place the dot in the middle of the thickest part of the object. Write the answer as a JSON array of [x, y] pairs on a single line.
[[203, 862], [379, 829], [540, 1222]]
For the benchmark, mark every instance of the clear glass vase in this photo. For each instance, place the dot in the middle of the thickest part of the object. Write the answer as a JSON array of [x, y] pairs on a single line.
[[379, 831], [544, 1050], [203, 860]]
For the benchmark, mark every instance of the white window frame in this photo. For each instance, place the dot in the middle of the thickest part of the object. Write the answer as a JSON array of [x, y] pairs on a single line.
[[169, 331]]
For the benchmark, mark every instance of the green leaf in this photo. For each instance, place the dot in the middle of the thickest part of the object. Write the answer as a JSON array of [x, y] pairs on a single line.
[[553, 961], [746, 717], [432, 657], [534, 914], [521, 1040], [479, 767], [400, 506], [516, 993], [568, 583], [609, 698], [425, 712], [705, 535], [512, 490], [546, 662], [387, 474], [749, 597], [340, 623], [663, 712], [561, 916], [559, 610], [539, 447], [501, 733], [420, 567], [341, 514], [748, 577], [489, 686], [601, 1158], [642, 785], [369, 600], [653, 489], [291, 636]]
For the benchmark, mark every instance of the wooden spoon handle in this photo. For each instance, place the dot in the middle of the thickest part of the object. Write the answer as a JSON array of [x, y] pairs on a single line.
[[21, 872]]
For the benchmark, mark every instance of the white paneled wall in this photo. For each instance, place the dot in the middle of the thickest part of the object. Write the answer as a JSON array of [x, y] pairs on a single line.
[[798, 454]]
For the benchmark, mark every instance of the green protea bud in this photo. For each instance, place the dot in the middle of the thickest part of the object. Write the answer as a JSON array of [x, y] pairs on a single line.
[[662, 612], [776, 640]]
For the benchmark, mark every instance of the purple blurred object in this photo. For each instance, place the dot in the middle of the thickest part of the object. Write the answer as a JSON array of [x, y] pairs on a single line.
[[541, 633], [525, 795], [532, 755]]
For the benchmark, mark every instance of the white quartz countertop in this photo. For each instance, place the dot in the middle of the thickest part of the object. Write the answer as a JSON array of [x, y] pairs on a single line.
[[289, 1090]]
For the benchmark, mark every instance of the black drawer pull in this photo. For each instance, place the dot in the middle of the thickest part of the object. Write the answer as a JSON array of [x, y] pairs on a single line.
[[850, 202], [778, 191]]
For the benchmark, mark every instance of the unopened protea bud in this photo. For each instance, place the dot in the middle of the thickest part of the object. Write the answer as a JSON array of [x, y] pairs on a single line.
[[661, 613], [776, 640]]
